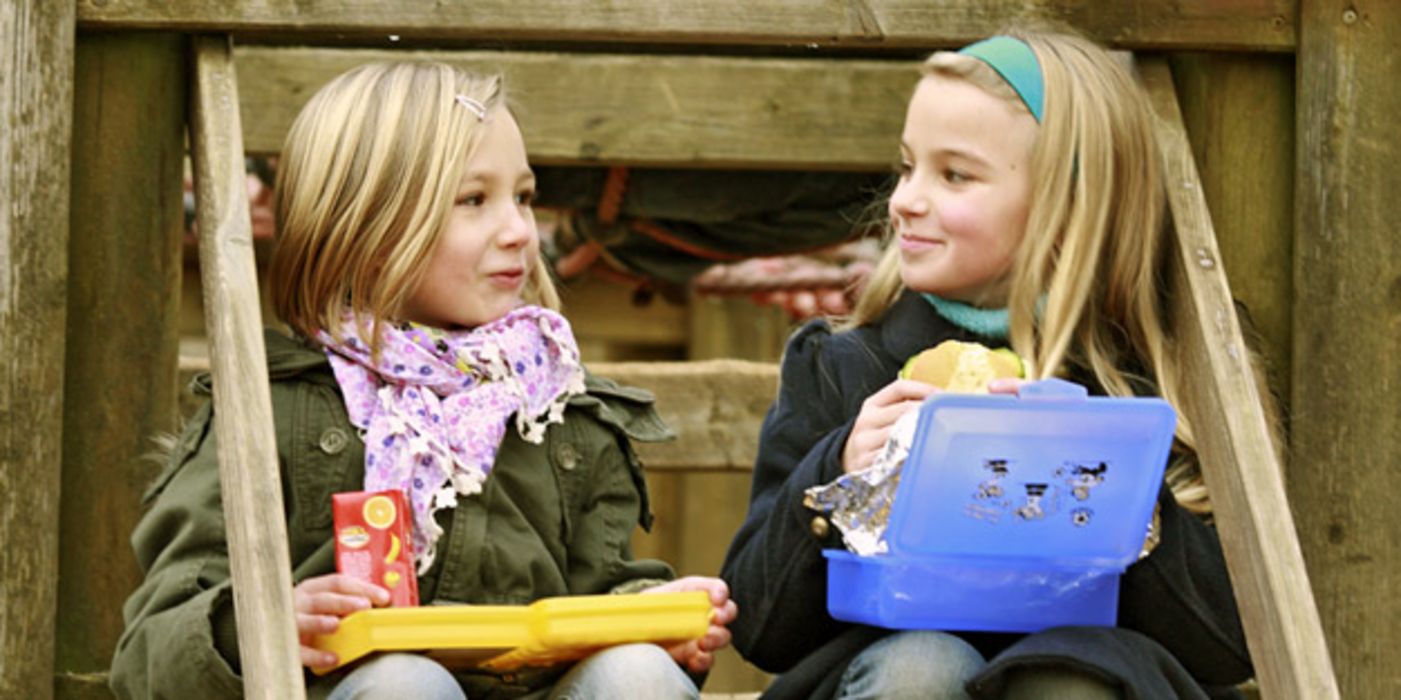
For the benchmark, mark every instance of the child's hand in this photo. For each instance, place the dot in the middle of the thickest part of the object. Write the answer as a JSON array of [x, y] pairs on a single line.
[[1006, 385], [878, 414], [697, 655], [322, 601]]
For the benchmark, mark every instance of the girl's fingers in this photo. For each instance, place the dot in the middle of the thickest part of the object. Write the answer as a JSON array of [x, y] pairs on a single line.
[[340, 583], [308, 625], [700, 662], [1006, 385], [901, 390], [682, 653], [726, 613], [715, 639], [872, 429], [337, 604], [316, 658], [884, 416], [692, 656]]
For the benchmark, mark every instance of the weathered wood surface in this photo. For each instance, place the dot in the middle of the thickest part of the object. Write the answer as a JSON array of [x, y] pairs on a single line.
[[714, 406], [36, 108], [1239, 114], [603, 313], [1258, 25], [1346, 432], [698, 511], [123, 299], [1238, 458], [639, 109], [248, 473]]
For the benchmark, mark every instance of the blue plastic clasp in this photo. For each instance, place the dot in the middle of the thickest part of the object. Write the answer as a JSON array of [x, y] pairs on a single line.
[[1054, 390]]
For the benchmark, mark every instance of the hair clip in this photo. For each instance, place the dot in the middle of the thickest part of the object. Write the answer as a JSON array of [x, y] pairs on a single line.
[[477, 108]]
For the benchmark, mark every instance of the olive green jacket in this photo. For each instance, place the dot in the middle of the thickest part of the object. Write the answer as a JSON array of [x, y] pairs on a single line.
[[553, 519]]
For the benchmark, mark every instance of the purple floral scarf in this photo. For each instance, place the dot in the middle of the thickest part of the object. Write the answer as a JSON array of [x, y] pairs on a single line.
[[434, 409]]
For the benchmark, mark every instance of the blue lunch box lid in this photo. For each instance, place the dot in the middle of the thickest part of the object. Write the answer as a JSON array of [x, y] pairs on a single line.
[[1048, 479]]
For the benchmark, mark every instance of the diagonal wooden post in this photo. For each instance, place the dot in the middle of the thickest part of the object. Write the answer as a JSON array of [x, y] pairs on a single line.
[[1238, 458], [248, 468]]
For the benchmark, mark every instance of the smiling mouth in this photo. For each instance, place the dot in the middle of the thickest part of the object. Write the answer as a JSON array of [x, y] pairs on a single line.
[[910, 242], [508, 279]]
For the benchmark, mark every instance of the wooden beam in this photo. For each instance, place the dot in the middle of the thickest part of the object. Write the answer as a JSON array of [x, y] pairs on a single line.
[[36, 109], [1238, 457], [714, 406], [1346, 431], [1239, 109], [124, 289], [602, 313], [639, 109], [1255, 25], [248, 467]]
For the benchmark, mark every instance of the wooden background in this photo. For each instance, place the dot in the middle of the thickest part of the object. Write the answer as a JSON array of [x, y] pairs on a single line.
[[1290, 108]]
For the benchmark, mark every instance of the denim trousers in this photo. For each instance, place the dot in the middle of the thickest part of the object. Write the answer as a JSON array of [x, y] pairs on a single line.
[[935, 666], [627, 671]]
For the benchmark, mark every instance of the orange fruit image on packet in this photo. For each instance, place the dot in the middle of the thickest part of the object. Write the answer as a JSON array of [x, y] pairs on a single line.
[[373, 542], [379, 512]]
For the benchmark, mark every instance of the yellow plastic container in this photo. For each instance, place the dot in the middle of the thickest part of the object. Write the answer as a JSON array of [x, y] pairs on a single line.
[[503, 637]]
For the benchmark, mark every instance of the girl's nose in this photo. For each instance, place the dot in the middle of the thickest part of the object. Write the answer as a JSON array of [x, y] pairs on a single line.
[[518, 229], [908, 200]]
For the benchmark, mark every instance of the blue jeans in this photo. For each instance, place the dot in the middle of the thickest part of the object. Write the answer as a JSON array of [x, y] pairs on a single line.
[[936, 665], [628, 671], [932, 665]]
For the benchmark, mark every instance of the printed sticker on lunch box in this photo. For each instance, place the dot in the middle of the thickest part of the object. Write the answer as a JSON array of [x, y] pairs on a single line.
[[1001, 493]]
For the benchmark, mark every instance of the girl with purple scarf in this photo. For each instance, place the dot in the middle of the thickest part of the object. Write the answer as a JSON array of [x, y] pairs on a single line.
[[427, 337]]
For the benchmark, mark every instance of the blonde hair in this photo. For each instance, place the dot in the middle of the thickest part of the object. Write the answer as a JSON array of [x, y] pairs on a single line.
[[365, 183], [1094, 255]]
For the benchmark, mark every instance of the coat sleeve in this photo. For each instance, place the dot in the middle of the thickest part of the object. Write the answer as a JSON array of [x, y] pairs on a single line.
[[774, 566], [167, 649], [1180, 596]]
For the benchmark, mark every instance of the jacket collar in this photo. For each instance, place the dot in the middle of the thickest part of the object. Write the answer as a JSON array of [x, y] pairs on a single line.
[[289, 356], [912, 325]]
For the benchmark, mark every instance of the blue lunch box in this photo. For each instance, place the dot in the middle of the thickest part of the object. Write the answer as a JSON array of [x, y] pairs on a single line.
[[1013, 513]]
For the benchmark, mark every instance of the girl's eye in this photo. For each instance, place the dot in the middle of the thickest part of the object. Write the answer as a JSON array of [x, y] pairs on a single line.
[[955, 177], [471, 200], [904, 168], [525, 198]]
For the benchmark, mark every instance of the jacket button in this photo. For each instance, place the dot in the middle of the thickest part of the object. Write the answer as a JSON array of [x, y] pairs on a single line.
[[566, 456], [333, 441], [819, 527]]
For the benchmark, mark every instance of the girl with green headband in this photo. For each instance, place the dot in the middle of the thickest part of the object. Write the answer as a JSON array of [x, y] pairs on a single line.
[[1029, 212]]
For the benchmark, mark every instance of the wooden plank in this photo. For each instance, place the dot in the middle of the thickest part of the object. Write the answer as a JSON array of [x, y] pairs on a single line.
[[123, 288], [602, 312], [639, 109], [736, 327], [1346, 431], [1238, 458], [1257, 25], [1239, 110], [248, 471], [36, 108], [714, 406]]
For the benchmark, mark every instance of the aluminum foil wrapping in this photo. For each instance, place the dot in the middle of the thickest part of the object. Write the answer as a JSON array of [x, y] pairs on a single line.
[[858, 504]]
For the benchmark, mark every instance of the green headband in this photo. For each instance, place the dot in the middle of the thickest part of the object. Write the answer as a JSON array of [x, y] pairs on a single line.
[[1017, 64]]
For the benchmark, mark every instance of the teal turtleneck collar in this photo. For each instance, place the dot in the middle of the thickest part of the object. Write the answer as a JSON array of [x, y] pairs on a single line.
[[989, 323]]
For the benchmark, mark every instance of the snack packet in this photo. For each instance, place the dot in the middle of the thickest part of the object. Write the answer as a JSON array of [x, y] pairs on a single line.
[[373, 542]]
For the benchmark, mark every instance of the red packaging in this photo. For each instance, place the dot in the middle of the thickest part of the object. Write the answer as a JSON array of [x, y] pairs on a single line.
[[373, 542]]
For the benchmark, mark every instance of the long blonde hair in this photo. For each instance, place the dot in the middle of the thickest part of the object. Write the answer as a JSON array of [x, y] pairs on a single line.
[[1088, 281], [365, 183]]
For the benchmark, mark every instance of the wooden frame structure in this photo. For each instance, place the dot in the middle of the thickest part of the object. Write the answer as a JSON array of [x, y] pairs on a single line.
[[1313, 234]]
